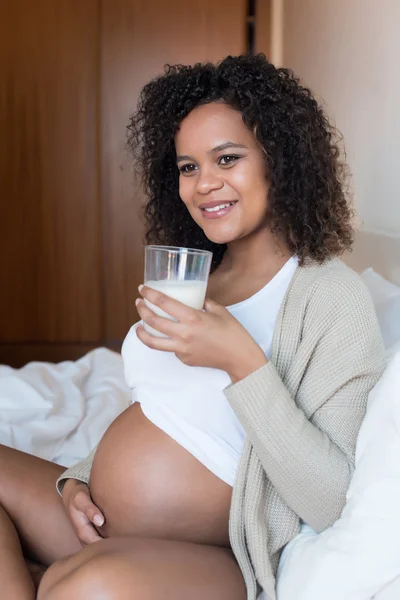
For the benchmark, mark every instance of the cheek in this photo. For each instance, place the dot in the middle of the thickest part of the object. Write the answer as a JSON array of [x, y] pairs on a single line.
[[185, 191], [254, 188], [186, 195], [252, 185]]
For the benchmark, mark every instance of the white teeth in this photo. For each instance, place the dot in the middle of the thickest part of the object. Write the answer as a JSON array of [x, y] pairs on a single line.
[[220, 207]]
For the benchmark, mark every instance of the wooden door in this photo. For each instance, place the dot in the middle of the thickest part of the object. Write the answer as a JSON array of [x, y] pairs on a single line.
[[50, 227], [138, 38], [71, 230]]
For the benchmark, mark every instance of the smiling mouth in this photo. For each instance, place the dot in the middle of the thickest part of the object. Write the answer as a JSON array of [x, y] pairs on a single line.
[[220, 210], [219, 207]]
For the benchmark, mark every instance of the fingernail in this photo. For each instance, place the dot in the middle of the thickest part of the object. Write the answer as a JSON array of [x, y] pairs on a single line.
[[140, 287], [137, 301], [98, 520]]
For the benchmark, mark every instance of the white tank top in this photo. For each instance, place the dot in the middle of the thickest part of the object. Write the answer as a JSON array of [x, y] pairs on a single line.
[[188, 403]]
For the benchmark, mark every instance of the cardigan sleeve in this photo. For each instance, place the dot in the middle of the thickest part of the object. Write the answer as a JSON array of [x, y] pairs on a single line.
[[305, 438], [80, 471]]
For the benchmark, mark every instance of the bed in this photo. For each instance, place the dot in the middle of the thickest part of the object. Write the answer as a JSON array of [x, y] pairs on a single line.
[[358, 558], [60, 411]]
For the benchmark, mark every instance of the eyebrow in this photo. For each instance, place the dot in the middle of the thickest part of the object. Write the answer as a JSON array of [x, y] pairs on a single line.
[[216, 149]]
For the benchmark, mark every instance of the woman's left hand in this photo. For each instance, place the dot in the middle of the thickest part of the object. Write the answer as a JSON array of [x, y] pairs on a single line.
[[213, 338]]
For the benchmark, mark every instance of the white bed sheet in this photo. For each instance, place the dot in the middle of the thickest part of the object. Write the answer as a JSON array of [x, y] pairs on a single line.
[[60, 411]]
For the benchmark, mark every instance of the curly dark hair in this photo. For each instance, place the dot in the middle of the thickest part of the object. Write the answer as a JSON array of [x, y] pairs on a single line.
[[308, 197]]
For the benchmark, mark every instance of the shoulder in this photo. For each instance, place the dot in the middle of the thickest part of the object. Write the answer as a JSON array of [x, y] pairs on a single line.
[[335, 314], [328, 324], [332, 284], [330, 300]]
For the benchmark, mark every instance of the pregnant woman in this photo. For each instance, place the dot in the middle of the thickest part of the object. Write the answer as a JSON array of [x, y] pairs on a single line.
[[244, 418]]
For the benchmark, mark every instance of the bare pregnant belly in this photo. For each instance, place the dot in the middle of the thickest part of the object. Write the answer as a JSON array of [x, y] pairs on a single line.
[[147, 485]]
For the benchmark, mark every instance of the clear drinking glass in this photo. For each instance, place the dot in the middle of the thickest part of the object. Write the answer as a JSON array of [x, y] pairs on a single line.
[[181, 273]]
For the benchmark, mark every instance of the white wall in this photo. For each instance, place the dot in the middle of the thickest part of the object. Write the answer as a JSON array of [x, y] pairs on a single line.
[[348, 52]]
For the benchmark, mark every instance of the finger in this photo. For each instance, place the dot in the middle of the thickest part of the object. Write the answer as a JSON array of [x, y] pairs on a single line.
[[87, 534], [156, 343], [84, 505], [172, 307], [161, 324], [85, 531]]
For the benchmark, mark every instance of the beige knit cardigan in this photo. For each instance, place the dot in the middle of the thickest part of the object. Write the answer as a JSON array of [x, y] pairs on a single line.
[[301, 412]]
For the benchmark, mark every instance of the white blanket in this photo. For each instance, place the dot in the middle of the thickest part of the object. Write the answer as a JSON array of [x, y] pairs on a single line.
[[60, 411]]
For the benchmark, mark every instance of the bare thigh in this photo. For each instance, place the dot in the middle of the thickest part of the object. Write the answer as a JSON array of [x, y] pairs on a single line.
[[145, 569], [29, 497]]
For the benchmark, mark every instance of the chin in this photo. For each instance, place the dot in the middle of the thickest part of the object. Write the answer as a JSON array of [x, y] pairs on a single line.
[[221, 235]]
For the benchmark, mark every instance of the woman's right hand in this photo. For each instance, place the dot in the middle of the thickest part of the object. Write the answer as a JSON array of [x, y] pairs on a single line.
[[81, 511]]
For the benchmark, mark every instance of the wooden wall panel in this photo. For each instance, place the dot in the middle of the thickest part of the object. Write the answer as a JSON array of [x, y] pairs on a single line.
[[71, 232], [138, 38], [50, 227], [263, 26]]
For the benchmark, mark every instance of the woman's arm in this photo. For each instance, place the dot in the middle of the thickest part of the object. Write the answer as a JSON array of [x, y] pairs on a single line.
[[305, 432], [80, 471]]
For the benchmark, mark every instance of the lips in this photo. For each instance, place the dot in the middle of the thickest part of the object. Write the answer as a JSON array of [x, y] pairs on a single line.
[[217, 209], [215, 203]]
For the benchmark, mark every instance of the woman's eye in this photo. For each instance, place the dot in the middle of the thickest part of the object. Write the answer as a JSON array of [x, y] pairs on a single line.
[[189, 168], [228, 159]]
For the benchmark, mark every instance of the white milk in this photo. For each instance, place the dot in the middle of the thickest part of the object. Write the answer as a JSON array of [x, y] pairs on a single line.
[[191, 293]]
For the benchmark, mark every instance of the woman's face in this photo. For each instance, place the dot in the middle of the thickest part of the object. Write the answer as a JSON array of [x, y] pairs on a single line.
[[222, 178]]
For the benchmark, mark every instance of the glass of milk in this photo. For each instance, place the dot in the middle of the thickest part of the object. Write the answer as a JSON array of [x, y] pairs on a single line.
[[181, 273]]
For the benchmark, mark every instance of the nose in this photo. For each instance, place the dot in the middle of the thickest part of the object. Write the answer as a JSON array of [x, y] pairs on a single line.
[[208, 180]]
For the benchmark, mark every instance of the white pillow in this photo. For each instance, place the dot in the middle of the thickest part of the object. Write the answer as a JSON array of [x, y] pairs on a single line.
[[391, 351], [360, 554], [386, 299]]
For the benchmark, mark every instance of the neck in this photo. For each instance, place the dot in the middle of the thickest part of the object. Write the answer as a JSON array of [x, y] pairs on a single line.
[[261, 254]]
